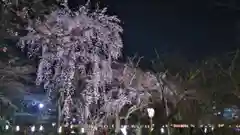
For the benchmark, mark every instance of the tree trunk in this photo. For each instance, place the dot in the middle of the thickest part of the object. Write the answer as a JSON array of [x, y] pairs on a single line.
[[138, 129], [167, 114], [90, 130], [164, 100], [117, 123], [59, 104]]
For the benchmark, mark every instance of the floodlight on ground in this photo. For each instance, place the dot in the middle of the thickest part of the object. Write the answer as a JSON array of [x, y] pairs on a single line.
[[7, 127], [162, 130], [33, 128], [41, 128], [124, 130], [17, 128], [60, 129], [82, 130]]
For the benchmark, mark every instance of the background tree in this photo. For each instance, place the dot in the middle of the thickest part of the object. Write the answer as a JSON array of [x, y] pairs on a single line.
[[195, 105], [215, 84], [225, 81]]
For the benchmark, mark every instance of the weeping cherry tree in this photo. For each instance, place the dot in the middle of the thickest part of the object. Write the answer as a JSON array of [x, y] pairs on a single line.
[[70, 44]]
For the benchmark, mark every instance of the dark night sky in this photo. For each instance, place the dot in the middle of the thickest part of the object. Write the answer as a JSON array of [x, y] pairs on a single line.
[[195, 28]]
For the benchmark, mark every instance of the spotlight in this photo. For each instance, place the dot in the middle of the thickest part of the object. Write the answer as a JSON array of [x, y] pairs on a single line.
[[53, 124], [40, 105]]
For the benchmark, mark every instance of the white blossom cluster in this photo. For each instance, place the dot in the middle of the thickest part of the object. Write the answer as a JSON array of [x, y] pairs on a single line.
[[82, 43]]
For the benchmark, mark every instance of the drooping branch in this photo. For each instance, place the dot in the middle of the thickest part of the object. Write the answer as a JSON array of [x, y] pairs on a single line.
[[75, 44]]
